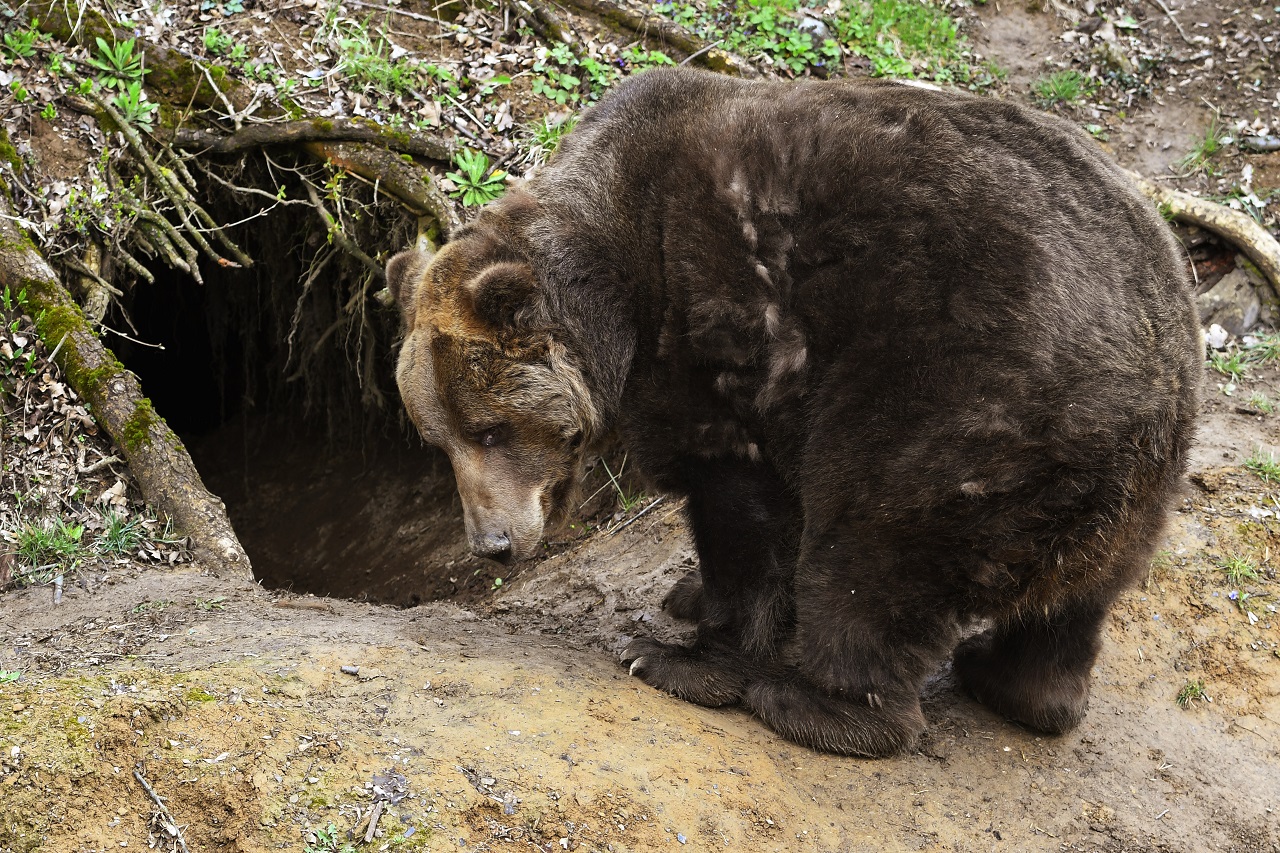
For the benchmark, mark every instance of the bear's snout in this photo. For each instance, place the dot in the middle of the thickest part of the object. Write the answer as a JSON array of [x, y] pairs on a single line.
[[495, 546]]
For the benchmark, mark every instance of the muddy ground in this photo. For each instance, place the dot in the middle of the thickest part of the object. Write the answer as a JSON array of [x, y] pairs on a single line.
[[502, 719]]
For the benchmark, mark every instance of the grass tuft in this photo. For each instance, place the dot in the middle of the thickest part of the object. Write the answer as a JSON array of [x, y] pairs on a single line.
[[1190, 692], [1063, 87]]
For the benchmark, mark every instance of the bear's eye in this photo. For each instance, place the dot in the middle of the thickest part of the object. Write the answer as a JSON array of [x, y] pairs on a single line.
[[576, 441], [491, 437]]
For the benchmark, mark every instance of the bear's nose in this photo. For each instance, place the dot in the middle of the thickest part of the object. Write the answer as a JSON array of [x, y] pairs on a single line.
[[495, 546]]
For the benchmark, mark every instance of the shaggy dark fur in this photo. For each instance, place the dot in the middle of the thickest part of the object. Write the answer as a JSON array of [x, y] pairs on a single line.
[[916, 359]]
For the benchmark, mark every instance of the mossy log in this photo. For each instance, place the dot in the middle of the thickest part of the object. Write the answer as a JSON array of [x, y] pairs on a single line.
[[156, 457]]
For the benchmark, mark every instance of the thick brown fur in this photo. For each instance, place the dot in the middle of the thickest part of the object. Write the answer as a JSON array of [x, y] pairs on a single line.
[[916, 359]]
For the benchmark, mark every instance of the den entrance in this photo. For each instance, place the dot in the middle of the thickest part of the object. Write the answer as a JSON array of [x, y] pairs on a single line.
[[279, 381]]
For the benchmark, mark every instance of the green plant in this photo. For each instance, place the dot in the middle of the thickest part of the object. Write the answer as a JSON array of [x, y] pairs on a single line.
[[215, 603], [626, 501], [55, 544], [1233, 365], [50, 112], [1062, 87], [120, 535], [1239, 569], [118, 64], [1210, 143], [555, 78], [1266, 467], [1260, 403], [217, 42], [13, 301], [1190, 692], [20, 93], [58, 65], [20, 44], [134, 106], [327, 840], [1264, 349], [8, 675], [475, 184], [546, 134]]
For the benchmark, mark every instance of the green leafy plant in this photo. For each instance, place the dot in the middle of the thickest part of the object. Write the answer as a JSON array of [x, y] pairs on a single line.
[[118, 64], [1263, 349], [475, 183], [627, 501], [19, 91], [50, 112], [134, 106], [1062, 87], [547, 133], [1190, 692], [215, 603], [9, 675], [217, 42], [20, 44]]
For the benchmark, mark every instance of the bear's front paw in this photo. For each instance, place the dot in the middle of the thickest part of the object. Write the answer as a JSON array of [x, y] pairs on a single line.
[[701, 675]]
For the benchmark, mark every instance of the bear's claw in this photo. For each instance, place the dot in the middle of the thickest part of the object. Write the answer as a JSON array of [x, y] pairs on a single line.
[[702, 675]]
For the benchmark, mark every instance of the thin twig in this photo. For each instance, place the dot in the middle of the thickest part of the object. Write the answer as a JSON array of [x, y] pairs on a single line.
[[1168, 13], [164, 810], [341, 239], [637, 516]]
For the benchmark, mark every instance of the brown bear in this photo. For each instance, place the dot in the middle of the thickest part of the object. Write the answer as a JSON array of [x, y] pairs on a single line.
[[919, 361]]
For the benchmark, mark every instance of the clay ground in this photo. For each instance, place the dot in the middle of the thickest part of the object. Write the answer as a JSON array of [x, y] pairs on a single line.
[[510, 724]]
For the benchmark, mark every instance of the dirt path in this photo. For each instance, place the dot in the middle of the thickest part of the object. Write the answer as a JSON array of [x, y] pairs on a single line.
[[517, 726]]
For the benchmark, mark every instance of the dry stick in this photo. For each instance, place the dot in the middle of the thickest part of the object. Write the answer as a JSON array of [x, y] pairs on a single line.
[[1232, 225], [164, 469], [336, 234], [657, 27], [1168, 13], [547, 23], [294, 132], [164, 810]]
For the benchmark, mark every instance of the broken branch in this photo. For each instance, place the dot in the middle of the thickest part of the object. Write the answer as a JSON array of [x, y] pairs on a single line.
[[314, 130]]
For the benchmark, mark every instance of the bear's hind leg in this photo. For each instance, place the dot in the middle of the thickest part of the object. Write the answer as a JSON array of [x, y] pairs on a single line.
[[1035, 668], [745, 524], [872, 624]]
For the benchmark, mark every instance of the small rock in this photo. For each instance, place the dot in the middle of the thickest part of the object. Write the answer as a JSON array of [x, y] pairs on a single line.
[[1232, 303], [1216, 337]]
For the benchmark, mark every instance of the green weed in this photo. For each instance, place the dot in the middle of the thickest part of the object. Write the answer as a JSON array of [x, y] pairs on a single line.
[[626, 501], [1266, 467], [208, 604], [1233, 365], [50, 545], [1260, 403], [1265, 349], [475, 183], [50, 112], [9, 675], [118, 64], [120, 536], [1190, 692], [1239, 569], [546, 134], [1063, 87], [327, 841], [1198, 157]]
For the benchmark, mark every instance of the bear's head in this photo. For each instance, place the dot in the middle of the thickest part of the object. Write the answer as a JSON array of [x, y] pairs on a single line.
[[486, 377]]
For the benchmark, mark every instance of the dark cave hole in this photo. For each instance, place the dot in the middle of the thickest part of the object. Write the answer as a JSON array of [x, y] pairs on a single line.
[[328, 497]]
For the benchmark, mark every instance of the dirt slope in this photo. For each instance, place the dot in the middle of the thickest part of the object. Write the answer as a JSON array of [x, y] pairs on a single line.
[[517, 727]]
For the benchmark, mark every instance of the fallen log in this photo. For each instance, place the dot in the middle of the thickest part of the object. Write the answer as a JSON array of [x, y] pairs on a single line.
[[162, 466], [314, 130]]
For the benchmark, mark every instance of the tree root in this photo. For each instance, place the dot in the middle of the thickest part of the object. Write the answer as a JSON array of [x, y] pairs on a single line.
[[314, 130], [1236, 228], [165, 472], [656, 27], [404, 180]]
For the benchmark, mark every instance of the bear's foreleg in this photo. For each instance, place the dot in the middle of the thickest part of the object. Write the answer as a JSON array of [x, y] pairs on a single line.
[[874, 619], [745, 526]]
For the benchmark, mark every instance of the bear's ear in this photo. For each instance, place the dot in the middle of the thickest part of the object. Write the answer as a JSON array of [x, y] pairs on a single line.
[[499, 292], [405, 272]]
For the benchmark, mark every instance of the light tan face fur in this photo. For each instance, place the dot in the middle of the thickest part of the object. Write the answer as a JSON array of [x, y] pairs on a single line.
[[506, 404]]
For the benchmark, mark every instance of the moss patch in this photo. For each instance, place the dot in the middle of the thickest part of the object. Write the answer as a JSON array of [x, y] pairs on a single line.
[[137, 430]]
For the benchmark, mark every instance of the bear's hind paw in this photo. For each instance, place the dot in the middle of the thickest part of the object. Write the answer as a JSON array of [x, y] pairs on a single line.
[[873, 726]]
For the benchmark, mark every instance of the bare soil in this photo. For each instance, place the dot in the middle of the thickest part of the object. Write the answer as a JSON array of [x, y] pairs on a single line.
[[500, 718]]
